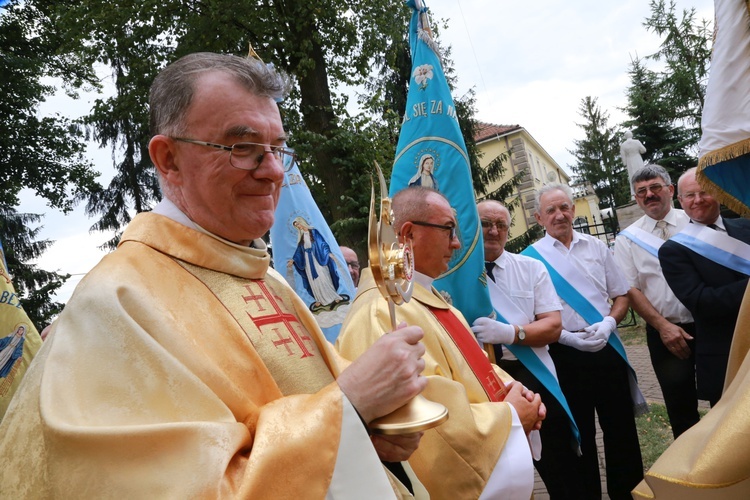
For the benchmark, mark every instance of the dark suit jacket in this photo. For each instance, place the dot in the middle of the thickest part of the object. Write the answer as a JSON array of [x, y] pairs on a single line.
[[713, 294]]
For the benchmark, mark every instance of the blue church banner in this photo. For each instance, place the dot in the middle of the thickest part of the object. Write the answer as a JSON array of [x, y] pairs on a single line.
[[308, 256], [431, 152]]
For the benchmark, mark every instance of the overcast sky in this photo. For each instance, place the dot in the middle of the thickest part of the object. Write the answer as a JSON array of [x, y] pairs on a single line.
[[530, 63]]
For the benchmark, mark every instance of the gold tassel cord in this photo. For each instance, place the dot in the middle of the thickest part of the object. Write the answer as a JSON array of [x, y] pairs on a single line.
[[726, 153]]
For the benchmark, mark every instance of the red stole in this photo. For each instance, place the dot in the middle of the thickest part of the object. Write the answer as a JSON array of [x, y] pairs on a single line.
[[472, 353]]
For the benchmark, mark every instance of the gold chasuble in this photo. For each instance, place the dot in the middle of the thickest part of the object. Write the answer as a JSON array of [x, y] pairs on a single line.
[[711, 460], [456, 458], [182, 367]]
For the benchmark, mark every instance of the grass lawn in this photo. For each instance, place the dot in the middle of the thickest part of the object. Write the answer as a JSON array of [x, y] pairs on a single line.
[[633, 334], [654, 434]]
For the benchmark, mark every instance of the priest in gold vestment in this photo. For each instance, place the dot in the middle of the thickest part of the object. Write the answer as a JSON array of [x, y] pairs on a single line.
[[183, 367], [482, 450]]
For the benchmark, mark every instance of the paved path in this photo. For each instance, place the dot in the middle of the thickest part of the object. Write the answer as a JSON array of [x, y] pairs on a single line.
[[639, 359]]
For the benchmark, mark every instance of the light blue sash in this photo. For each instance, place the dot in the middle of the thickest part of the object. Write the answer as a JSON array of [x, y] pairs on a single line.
[[531, 361], [716, 246], [591, 315], [643, 239]]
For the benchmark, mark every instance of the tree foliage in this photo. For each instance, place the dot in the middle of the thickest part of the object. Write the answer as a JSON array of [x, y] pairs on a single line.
[[43, 153], [686, 52], [597, 155], [664, 106], [654, 121]]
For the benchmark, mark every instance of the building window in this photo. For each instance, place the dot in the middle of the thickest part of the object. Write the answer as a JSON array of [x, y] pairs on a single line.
[[581, 224]]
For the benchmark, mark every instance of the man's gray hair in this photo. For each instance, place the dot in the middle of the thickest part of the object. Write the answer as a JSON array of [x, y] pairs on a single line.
[[551, 187], [173, 88], [650, 171]]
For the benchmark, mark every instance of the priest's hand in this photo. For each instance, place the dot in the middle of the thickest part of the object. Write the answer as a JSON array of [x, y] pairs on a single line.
[[530, 410], [530, 395], [489, 331], [396, 448], [386, 375]]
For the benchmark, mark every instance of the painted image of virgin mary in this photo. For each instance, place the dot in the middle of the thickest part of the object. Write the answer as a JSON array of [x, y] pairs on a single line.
[[317, 267], [424, 175], [11, 350]]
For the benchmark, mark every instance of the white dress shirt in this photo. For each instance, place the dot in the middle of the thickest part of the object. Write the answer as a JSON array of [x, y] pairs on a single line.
[[594, 261], [643, 271], [527, 283]]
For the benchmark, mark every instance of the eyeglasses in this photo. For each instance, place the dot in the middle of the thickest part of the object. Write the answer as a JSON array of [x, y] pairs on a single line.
[[499, 225], [654, 188], [452, 229], [353, 264], [249, 155], [690, 197]]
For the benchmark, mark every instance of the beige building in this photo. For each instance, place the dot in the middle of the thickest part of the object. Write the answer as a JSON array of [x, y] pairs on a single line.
[[538, 167]]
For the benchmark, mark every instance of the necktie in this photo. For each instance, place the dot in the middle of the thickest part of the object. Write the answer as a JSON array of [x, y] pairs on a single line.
[[715, 227], [490, 266], [663, 229]]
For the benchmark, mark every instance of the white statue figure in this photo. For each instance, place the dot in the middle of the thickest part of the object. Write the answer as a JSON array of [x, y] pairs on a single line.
[[630, 152]]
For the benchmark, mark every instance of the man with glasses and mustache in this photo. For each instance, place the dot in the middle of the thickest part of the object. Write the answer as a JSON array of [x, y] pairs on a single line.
[[481, 450], [183, 366], [670, 329], [707, 266]]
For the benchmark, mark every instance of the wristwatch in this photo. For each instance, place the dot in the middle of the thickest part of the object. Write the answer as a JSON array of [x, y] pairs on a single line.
[[521, 335]]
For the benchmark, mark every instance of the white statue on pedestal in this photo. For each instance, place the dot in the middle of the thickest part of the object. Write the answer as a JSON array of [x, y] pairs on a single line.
[[630, 152]]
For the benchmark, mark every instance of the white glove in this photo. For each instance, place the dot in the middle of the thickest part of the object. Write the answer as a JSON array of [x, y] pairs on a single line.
[[489, 331], [602, 329], [582, 341]]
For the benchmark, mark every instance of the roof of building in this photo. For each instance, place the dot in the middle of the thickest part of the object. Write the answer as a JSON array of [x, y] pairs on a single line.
[[488, 130]]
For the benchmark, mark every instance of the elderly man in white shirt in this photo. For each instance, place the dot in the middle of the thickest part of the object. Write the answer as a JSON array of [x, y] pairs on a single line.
[[529, 308], [591, 363]]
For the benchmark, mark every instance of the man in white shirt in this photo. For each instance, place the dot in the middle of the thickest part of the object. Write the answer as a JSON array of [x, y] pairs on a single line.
[[523, 294], [669, 325], [591, 364]]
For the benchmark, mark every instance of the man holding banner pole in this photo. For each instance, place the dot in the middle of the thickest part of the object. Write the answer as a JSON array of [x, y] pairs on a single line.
[[590, 359]]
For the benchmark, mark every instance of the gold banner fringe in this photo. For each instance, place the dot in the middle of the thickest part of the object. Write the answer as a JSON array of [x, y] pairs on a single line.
[[720, 155]]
